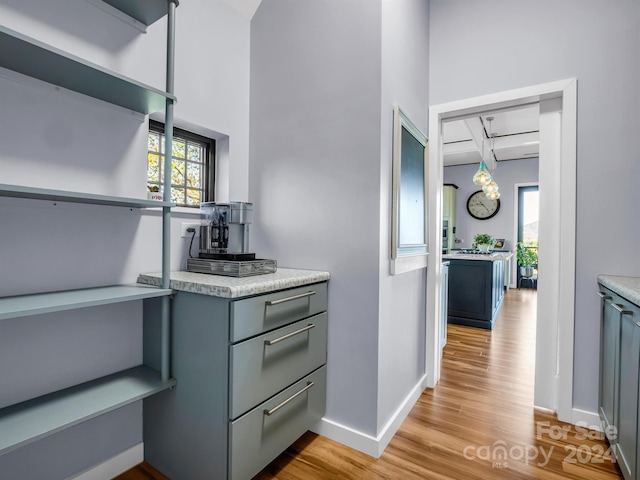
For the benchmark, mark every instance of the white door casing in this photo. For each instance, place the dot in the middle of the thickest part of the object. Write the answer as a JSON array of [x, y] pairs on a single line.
[[554, 341]]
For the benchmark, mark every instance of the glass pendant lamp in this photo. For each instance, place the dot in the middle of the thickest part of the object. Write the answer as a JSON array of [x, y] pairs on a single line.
[[482, 175], [490, 187]]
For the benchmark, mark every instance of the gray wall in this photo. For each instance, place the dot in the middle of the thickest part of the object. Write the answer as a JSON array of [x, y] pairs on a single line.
[[324, 77], [315, 169], [405, 76], [503, 224], [485, 47], [61, 140]]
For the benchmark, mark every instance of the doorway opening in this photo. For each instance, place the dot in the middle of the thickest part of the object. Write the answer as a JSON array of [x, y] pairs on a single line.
[[554, 347], [528, 216]]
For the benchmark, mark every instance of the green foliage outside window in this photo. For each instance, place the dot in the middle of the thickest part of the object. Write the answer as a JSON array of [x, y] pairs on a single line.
[[188, 168]]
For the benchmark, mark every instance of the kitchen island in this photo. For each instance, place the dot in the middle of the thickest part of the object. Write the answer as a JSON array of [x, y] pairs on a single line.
[[476, 288], [249, 356]]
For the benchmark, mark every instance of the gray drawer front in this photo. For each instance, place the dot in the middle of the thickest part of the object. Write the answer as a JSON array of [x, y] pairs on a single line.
[[253, 316], [259, 371], [256, 438]]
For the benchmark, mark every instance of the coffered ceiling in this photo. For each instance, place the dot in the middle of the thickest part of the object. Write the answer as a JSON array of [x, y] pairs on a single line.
[[516, 136]]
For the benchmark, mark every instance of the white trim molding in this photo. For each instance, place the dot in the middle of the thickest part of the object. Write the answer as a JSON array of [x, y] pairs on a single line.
[[114, 466], [554, 380], [368, 444]]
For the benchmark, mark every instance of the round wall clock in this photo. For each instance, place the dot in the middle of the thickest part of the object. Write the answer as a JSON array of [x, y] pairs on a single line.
[[480, 207]]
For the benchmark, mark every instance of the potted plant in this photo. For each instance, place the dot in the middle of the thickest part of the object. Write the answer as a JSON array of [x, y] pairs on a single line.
[[527, 258], [483, 242]]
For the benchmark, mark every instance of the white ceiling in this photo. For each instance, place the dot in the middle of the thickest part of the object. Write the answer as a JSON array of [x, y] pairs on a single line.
[[516, 136], [246, 7]]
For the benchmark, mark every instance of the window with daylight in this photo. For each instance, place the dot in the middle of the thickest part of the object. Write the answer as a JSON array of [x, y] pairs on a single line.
[[192, 165]]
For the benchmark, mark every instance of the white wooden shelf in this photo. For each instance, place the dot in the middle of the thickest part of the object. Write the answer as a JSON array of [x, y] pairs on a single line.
[[34, 419], [36, 59], [39, 303], [145, 11], [19, 191]]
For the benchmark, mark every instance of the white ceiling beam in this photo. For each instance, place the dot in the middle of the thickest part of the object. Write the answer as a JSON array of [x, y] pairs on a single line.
[[459, 147], [476, 131], [523, 139], [531, 138]]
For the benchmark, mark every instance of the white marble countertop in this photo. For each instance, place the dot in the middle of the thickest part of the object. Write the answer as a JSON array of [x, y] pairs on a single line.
[[627, 287], [489, 257], [234, 287]]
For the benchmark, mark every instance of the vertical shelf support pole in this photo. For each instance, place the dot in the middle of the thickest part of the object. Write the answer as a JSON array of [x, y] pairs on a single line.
[[166, 211]]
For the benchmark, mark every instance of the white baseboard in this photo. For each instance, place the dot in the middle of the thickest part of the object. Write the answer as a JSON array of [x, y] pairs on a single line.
[[586, 419], [114, 466], [373, 446]]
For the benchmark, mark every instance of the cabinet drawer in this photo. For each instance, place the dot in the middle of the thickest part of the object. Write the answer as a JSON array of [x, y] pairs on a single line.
[[260, 370], [257, 438], [255, 315]]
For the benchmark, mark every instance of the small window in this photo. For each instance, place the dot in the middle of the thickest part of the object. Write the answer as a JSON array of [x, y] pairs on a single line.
[[192, 165]]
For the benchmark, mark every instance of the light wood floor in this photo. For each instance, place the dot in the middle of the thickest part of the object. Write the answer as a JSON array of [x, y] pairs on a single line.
[[478, 423]]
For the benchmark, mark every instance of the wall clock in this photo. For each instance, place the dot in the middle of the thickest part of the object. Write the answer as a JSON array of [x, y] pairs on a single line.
[[480, 207]]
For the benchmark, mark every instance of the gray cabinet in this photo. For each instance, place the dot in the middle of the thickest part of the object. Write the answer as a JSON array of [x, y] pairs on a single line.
[[444, 300], [251, 380], [619, 385], [449, 207], [609, 368], [476, 292]]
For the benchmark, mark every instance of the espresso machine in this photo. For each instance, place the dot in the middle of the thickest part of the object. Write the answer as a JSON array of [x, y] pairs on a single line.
[[224, 242], [224, 233]]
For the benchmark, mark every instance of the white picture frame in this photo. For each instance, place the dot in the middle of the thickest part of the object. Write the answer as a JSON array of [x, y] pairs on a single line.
[[409, 219]]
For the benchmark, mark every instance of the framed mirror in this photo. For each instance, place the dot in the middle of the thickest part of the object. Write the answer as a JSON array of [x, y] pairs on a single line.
[[409, 198]]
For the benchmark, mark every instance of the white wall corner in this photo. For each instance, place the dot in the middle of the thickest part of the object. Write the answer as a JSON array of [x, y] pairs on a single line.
[[372, 446]]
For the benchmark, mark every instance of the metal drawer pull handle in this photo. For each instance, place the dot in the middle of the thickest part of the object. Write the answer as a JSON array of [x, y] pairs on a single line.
[[289, 335], [621, 309], [603, 296], [278, 407], [288, 299]]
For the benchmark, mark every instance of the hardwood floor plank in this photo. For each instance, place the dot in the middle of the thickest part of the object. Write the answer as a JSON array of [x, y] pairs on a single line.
[[478, 423]]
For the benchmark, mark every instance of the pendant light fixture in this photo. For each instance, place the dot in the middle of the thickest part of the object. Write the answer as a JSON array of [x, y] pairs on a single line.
[[490, 188], [482, 175]]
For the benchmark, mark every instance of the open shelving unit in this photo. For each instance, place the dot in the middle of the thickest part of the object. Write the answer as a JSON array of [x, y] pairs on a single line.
[[29, 421], [19, 191], [35, 59], [145, 11], [49, 302], [33, 419]]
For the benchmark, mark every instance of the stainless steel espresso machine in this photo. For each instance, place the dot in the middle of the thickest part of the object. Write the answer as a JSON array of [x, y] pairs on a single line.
[[224, 242], [224, 235]]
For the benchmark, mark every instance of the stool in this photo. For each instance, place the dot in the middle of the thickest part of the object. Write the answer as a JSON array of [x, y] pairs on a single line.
[[528, 279]]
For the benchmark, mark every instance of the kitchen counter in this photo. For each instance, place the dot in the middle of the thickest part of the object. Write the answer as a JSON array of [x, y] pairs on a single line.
[[234, 287], [476, 289], [627, 287], [475, 256]]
